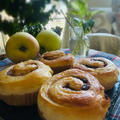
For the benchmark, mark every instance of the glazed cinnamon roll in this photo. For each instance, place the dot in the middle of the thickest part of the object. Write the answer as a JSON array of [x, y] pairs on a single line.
[[103, 69], [73, 95], [57, 60], [19, 84]]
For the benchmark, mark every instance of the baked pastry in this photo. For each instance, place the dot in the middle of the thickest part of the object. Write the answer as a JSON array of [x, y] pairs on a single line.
[[19, 84], [73, 95], [57, 60], [103, 69]]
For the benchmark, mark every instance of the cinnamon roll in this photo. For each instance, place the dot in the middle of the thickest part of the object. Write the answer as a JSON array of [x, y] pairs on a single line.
[[73, 95], [103, 69], [57, 60], [19, 84]]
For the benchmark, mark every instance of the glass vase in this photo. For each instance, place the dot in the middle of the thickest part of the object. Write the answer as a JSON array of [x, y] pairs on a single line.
[[79, 44]]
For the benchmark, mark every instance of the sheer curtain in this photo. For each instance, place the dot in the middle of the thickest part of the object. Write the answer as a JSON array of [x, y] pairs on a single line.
[[99, 3]]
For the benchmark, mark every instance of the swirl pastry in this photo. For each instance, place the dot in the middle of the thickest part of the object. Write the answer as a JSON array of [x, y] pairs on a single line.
[[57, 60], [73, 95], [19, 84], [103, 69]]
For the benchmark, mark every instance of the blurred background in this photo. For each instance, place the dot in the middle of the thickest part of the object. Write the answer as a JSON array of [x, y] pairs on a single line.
[[15, 14]]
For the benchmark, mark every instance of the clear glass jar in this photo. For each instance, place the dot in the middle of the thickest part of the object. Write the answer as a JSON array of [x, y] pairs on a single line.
[[79, 45]]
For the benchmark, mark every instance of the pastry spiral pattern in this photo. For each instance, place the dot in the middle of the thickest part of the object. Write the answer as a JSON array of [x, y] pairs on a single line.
[[20, 83], [73, 95], [103, 69], [23, 68], [57, 60]]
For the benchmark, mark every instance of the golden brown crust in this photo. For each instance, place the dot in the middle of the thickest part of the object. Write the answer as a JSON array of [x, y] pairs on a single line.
[[103, 69], [41, 115], [73, 95], [25, 100], [23, 68], [57, 60], [23, 79]]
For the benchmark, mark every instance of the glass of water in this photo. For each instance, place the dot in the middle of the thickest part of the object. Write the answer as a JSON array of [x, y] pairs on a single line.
[[79, 44]]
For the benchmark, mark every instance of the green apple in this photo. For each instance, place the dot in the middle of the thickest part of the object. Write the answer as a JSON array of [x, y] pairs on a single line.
[[49, 40], [22, 46]]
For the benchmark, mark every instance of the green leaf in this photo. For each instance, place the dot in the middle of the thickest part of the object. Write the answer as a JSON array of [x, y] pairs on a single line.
[[33, 29], [24, 13], [90, 14], [77, 21], [96, 12], [80, 7], [87, 26], [57, 29]]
